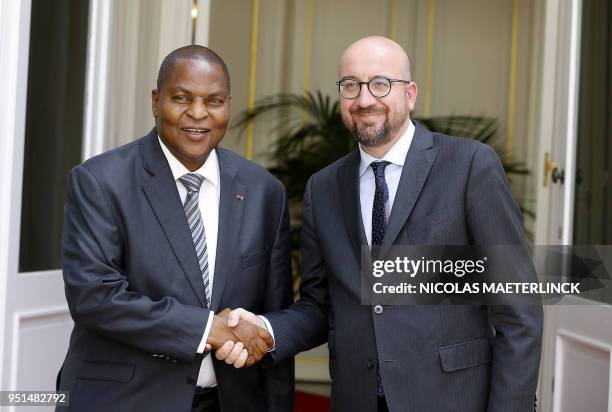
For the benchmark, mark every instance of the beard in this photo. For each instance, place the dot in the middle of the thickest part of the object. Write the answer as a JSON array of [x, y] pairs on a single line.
[[371, 136]]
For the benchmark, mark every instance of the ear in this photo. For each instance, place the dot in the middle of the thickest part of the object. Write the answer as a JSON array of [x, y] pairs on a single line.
[[411, 92], [154, 102]]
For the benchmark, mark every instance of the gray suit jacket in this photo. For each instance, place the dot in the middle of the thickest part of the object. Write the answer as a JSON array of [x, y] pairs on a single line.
[[452, 191], [135, 291]]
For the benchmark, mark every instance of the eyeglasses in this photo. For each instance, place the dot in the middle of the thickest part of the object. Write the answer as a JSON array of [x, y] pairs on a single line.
[[378, 87]]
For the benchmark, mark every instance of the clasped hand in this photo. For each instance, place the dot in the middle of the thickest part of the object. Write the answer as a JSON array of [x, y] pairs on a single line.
[[238, 343]]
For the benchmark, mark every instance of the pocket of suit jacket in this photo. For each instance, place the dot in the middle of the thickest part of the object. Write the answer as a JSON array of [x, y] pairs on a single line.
[[254, 260], [465, 354], [106, 371]]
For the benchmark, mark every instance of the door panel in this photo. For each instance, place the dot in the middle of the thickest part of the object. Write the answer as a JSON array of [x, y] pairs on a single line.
[[37, 364], [575, 372], [48, 115], [583, 374]]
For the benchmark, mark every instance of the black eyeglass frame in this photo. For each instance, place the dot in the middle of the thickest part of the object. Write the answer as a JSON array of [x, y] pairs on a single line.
[[391, 81]]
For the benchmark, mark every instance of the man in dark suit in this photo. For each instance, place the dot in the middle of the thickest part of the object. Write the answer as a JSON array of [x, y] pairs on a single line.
[[406, 186], [162, 233]]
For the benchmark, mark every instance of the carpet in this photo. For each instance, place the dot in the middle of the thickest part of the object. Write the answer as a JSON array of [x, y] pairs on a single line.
[[308, 402]]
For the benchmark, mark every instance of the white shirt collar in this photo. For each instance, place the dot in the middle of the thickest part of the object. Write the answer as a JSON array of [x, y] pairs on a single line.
[[396, 155], [209, 170]]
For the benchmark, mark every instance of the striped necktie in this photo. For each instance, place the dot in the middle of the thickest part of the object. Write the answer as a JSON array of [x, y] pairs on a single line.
[[192, 182]]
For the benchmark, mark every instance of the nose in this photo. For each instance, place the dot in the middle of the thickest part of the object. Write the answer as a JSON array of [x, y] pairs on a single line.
[[365, 98], [197, 109]]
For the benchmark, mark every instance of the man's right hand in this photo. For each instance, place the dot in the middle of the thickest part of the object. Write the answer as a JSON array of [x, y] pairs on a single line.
[[243, 345], [250, 322]]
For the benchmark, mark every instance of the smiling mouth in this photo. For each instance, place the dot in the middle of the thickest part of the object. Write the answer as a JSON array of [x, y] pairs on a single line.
[[195, 130], [368, 113], [368, 119], [195, 133]]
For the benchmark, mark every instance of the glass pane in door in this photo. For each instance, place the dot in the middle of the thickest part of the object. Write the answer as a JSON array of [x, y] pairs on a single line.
[[54, 125], [593, 199], [593, 195]]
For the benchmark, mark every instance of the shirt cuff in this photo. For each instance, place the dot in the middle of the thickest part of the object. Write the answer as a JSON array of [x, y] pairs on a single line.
[[202, 345], [270, 331]]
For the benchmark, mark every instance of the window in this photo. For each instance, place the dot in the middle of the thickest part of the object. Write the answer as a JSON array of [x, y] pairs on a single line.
[[593, 200], [54, 125]]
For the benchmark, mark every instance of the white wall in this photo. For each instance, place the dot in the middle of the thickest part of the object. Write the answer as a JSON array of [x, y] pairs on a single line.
[[471, 52]]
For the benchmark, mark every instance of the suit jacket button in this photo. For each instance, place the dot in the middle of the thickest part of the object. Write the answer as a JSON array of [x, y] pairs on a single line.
[[370, 363], [191, 380], [378, 309]]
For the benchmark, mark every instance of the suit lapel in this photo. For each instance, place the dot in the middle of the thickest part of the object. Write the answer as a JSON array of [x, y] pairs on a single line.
[[419, 160], [162, 194], [348, 182], [231, 208]]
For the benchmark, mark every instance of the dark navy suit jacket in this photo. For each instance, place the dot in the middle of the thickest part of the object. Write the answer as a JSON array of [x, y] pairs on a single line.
[[452, 191], [134, 287]]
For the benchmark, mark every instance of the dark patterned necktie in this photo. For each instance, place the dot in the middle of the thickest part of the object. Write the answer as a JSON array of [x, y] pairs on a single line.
[[381, 197], [379, 222], [193, 182]]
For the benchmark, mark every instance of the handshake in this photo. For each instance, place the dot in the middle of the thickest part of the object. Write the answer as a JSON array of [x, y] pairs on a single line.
[[239, 343]]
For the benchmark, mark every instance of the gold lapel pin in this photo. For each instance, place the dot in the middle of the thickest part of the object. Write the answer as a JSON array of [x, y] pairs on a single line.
[[240, 196]]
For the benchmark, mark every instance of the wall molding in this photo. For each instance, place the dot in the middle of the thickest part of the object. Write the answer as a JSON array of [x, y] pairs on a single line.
[[248, 150], [308, 45], [516, 15], [566, 338], [431, 18], [202, 29], [18, 318], [393, 20]]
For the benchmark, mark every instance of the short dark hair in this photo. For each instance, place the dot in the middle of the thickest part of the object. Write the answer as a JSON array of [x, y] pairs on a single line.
[[193, 51]]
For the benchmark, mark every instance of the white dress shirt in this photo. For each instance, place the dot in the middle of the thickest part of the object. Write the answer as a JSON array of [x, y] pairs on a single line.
[[367, 186], [208, 202]]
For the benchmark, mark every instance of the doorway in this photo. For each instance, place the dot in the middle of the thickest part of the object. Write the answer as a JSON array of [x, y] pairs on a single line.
[[574, 199]]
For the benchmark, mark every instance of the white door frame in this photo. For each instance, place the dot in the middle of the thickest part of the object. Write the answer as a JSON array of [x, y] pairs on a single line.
[[96, 88], [573, 327], [28, 301], [14, 50], [556, 126], [558, 119]]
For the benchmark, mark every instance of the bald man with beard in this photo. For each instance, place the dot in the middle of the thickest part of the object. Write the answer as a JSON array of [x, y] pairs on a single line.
[[405, 185]]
